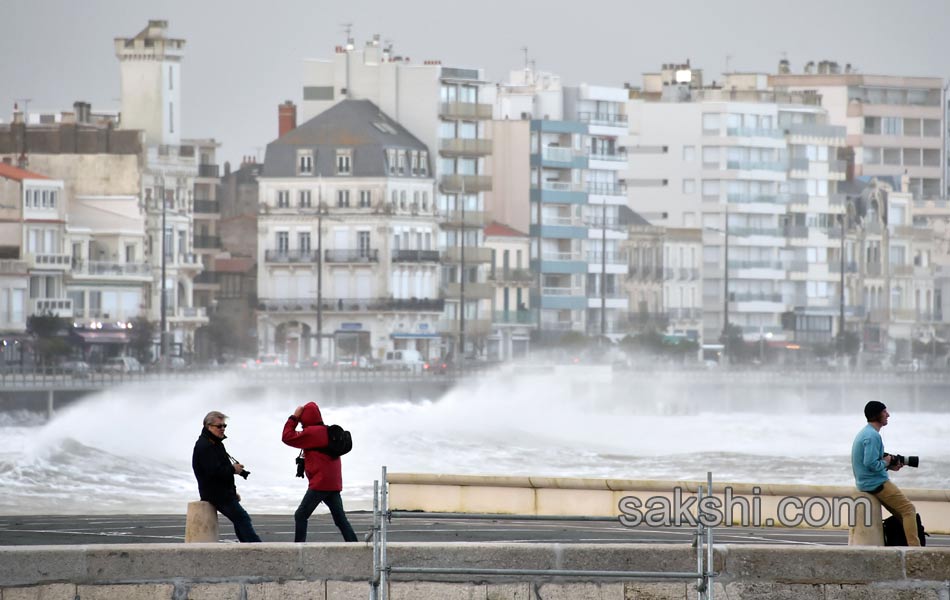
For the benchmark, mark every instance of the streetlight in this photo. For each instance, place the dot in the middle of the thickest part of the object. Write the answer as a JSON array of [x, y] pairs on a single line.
[[163, 338], [725, 277], [603, 274]]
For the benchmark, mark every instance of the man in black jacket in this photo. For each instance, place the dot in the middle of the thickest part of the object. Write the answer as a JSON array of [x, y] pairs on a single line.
[[214, 470]]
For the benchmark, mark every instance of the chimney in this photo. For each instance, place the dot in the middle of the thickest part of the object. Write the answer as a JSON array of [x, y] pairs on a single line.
[[783, 67], [286, 118]]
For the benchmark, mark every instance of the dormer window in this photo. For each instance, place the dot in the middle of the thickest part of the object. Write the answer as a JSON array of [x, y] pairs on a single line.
[[391, 159], [423, 163], [402, 162], [304, 162], [344, 160]]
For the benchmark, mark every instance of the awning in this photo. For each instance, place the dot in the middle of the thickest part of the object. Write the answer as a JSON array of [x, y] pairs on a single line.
[[102, 337], [415, 336]]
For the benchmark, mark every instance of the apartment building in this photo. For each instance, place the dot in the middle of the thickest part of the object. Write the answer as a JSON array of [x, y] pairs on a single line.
[[348, 260], [895, 125], [95, 234], [565, 142], [756, 171], [513, 317], [444, 107], [177, 173]]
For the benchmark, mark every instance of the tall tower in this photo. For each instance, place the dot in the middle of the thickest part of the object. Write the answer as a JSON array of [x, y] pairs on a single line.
[[150, 69]]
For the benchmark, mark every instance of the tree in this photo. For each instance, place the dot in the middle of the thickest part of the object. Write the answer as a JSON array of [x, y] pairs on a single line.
[[50, 344], [142, 339]]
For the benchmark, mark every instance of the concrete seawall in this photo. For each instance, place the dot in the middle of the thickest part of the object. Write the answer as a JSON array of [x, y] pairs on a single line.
[[342, 572]]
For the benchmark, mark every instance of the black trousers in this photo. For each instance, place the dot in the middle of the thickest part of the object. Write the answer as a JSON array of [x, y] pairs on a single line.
[[310, 502]]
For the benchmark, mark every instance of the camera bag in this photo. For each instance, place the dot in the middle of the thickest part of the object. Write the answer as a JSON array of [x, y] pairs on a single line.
[[894, 532]]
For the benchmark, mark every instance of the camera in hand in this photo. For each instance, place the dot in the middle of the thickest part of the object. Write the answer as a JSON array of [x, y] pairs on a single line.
[[244, 473], [300, 464], [905, 461]]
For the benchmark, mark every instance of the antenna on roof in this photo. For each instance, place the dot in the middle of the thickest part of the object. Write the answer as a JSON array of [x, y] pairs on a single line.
[[348, 29]]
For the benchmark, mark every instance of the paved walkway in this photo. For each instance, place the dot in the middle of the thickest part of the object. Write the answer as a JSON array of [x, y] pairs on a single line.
[[138, 529]]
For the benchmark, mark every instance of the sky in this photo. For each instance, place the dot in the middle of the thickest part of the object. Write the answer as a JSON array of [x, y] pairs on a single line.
[[244, 57]]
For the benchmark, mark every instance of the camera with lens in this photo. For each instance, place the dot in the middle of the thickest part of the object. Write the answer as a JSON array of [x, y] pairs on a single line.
[[300, 464], [244, 473], [904, 461]]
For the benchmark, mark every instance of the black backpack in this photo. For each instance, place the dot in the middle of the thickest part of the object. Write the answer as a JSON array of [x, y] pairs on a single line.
[[339, 442], [894, 532]]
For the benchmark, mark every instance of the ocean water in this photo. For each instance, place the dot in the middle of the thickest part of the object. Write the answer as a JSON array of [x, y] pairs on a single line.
[[128, 449]]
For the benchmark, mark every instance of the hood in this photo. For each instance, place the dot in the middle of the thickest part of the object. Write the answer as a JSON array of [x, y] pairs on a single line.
[[311, 415]]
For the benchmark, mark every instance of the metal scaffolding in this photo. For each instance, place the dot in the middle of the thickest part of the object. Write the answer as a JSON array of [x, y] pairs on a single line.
[[382, 516]]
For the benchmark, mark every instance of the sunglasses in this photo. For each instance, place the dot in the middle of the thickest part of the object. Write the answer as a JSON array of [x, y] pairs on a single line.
[[221, 426]]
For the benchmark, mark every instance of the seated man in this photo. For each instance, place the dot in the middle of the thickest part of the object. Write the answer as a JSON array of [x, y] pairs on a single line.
[[870, 465]]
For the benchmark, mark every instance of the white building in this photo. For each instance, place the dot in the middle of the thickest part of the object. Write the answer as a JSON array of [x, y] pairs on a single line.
[[444, 107], [513, 318], [756, 170], [150, 69], [895, 125], [348, 259], [564, 143]]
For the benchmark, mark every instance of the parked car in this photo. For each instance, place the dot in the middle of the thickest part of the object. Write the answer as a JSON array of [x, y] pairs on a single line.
[[271, 361], [355, 362], [408, 360], [122, 364], [76, 368]]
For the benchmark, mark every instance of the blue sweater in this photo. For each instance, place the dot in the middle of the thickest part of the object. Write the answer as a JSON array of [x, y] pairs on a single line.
[[867, 459]]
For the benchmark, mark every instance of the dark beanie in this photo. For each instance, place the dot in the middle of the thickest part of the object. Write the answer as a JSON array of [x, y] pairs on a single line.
[[873, 409]]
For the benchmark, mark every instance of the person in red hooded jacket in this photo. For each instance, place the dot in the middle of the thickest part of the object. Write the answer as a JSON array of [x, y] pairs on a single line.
[[323, 471]]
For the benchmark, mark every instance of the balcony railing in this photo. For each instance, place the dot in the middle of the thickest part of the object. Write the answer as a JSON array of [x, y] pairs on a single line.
[[403, 255], [290, 256], [472, 218], [59, 307], [558, 154], [48, 261], [207, 206], [207, 170], [465, 110], [756, 165], [206, 278], [562, 291], [353, 255], [472, 290], [755, 297], [751, 231], [514, 276], [814, 130], [353, 304], [755, 132], [207, 241], [561, 256], [756, 264], [96, 268], [473, 254], [465, 147], [616, 157], [13, 267], [515, 317], [607, 189], [608, 223], [473, 183], [610, 119]]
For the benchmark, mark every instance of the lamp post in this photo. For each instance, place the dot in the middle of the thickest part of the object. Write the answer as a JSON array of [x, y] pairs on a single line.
[[163, 303], [725, 291], [461, 350], [603, 274], [841, 334]]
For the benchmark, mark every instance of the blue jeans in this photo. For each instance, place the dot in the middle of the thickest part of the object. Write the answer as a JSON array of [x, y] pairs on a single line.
[[243, 528], [309, 503]]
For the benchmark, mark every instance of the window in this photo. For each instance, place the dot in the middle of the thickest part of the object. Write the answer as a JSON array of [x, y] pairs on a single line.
[[425, 200], [283, 242], [365, 198], [401, 158], [171, 78], [711, 156], [304, 198], [305, 163], [303, 242], [423, 163], [130, 253], [52, 198], [283, 198], [711, 123], [343, 162], [689, 153], [343, 198], [391, 159], [362, 243]]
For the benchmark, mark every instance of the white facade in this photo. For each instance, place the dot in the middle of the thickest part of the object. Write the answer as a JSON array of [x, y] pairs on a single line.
[[768, 163], [380, 267], [446, 109]]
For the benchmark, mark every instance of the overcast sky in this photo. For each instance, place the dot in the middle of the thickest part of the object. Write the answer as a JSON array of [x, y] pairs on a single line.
[[245, 57]]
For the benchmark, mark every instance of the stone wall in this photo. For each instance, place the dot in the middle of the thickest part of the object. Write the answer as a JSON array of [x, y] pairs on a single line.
[[342, 571]]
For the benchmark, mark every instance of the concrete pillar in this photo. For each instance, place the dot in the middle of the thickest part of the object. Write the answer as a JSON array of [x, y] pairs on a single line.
[[49, 405], [861, 534], [201, 524]]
